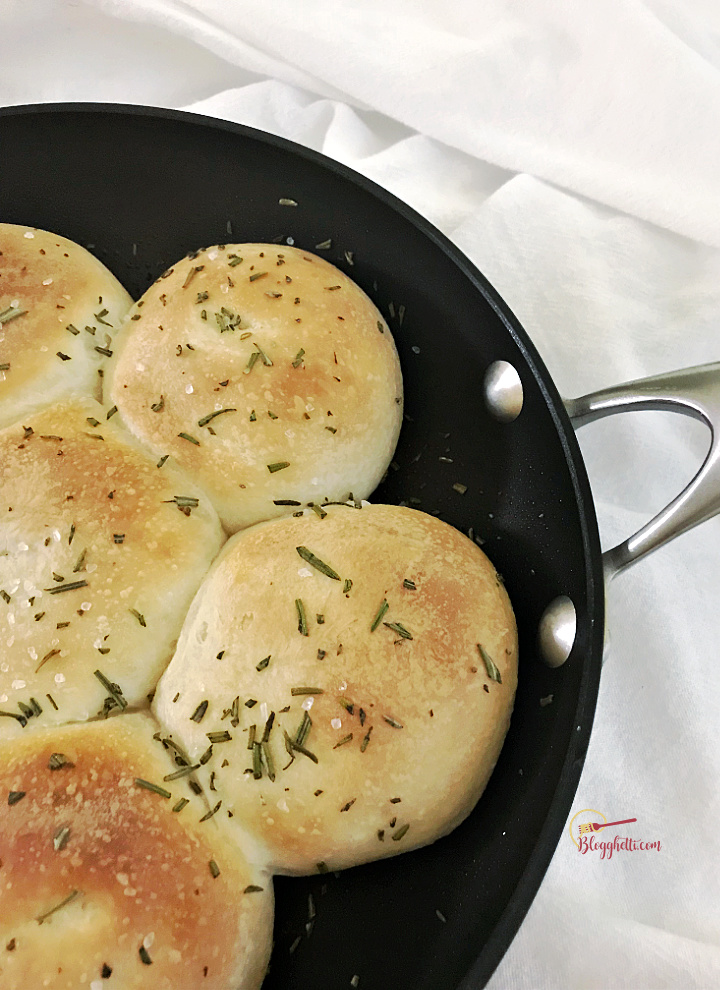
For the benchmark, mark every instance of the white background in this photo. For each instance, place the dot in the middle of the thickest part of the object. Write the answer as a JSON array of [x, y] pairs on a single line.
[[572, 150]]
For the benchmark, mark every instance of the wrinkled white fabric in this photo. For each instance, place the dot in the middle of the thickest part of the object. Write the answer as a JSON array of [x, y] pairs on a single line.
[[573, 152]]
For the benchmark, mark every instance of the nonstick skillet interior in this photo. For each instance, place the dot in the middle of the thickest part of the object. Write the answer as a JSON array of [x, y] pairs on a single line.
[[141, 188]]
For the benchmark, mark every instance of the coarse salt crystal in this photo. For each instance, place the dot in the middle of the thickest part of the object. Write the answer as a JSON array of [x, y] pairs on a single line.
[[59, 678], [336, 723], [29, 234], [307, 704], [47, 281], [189, 389]]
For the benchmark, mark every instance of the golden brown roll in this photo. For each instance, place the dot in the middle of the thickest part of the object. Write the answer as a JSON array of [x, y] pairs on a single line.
[[101, 551], [111, 875], [362, 666], [59, 310], [267, 373]]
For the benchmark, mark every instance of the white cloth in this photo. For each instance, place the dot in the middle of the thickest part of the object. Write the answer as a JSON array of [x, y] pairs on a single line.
[[573, 152]]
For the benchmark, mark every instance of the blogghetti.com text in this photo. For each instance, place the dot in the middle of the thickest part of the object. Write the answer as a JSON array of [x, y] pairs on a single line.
[[608, 847]]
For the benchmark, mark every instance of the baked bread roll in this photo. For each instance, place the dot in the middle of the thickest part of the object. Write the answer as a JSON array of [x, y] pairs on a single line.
[[106, 882], [268, 375], [101, 551], [360, 666], [59, 310]]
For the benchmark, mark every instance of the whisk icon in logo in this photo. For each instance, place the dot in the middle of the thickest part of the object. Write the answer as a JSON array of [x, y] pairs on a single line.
[[593, 826]]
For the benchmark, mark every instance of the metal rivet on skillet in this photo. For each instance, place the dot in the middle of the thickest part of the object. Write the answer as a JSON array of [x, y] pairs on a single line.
[[503, 391], [556, 632]]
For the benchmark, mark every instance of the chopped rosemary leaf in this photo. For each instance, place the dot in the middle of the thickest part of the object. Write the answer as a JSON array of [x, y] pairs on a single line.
[[58, 760], [73, 330], [139, 616], [148, 786], [214, 869], [112, 689], [252, 361], [322, 867], [265, 359], [60, 839], [235, 259], [299, 358], [63, 357], [159, 405], [186, 436], [199, 713], [403, 830], [393, 722], [145, 956], [257, 761], [399, 629], [15, 796], [52, 702], [162, 460], [80, 562], [460, 488], [347, 585], [318, 564], [6, 597], [490, 666], [250, 703], [71, 897], [303, 730], [252, 889], [324, 245], [70, 586], [181, 804], [269, 762], [302, 619], [366, 740], [11, 314], [297, 692], [298, 748], [210, 416], [318, 510], [111, 412], [410, 585], [251, 736], [256, 276], [104, 350], [286, 501], [320, 618], [118, 537], [17, 716], [345, 739], [48, 656], [182, 772], [219, 737], [348, 806], [253, 419], [379, 615], [214, 811]]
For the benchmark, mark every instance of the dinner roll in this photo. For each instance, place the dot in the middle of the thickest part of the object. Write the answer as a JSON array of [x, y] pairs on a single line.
[[267, 373], [101, 551], [59, 310], [112, 875], [359, 668]]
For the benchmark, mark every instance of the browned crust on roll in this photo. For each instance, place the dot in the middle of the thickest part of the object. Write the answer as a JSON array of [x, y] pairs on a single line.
[[98, 564], [407, 720], [59, 310], [123, 871], [291, 359]]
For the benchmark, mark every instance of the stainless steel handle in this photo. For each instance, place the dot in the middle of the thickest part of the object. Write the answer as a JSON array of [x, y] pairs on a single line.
[[693, 392]]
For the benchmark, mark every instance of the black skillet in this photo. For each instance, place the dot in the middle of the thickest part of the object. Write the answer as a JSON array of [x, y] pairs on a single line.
[[142, 187]]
